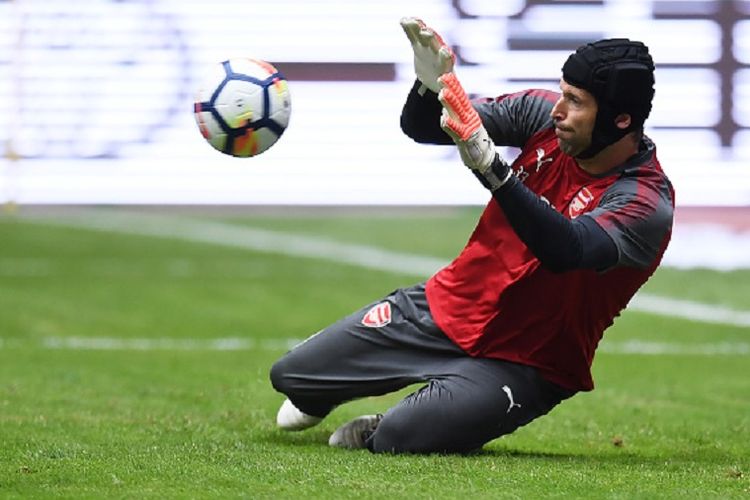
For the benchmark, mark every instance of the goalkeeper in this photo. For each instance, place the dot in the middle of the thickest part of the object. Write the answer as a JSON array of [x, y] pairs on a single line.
[[508, 330]]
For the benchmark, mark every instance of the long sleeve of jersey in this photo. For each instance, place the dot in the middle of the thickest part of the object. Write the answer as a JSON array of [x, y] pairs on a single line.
[[420, 117], [559, 243]]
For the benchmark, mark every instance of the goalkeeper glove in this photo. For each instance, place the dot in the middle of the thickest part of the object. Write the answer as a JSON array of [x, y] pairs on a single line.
[[461, 121], [432, 57]]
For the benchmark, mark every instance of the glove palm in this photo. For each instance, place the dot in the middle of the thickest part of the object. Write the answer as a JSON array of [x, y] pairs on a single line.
[[432, 56]]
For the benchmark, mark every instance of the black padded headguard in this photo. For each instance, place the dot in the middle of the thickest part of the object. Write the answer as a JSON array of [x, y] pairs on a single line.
[[619, 73]]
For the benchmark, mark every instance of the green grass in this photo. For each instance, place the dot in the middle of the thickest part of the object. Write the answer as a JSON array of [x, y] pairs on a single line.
[[177, 423]]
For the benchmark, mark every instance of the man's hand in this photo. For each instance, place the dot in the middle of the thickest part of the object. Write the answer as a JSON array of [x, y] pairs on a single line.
[[462, 122], [432, 57]]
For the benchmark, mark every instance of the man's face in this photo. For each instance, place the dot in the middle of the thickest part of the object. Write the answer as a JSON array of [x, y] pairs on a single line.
[[574, 115]]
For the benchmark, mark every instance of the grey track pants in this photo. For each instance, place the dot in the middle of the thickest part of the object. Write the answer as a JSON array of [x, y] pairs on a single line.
[[466, 402]]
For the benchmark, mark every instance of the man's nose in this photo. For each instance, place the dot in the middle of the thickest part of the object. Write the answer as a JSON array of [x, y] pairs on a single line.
[[557, 112]]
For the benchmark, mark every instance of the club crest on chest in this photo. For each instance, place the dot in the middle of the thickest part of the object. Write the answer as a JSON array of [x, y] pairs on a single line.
[[580, 201]]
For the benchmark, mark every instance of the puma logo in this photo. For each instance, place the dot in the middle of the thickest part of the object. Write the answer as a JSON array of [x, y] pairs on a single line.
[[512, 404], [540, 159]]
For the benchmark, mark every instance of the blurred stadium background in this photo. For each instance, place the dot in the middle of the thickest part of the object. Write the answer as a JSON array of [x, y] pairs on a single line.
[[148, 282], [96, 99]]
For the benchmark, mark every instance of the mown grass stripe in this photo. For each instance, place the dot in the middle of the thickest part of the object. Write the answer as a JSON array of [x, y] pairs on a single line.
[[77, 343], [166, 344], [368, 257]]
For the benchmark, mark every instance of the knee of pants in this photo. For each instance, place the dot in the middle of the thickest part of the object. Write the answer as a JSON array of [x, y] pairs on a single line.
[[395, 435], [279, 375]]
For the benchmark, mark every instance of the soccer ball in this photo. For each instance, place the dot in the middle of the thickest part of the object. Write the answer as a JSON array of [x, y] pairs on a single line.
[[243, 107]]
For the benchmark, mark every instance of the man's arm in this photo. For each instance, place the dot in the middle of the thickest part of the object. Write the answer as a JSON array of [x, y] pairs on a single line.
[[449, 117], [559, 243], [420, 117]]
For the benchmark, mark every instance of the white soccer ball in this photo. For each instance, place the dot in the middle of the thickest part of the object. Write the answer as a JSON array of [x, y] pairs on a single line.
[[243, 106]]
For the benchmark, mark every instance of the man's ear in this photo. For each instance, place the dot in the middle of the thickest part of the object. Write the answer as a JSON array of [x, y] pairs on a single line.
[[622, 121]]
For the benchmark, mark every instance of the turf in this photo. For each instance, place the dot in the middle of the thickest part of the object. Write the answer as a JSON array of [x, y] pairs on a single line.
[[178, 422]]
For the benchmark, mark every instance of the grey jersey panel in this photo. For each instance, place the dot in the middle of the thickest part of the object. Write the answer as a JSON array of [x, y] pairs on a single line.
[[637, 215], [512, 119]]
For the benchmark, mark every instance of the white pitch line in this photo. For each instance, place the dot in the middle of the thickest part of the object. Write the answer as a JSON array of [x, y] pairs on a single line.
[[674, 348], [296, 245], [261, 240], [24, 267], [690, 310], [629, 347], [166, 344]]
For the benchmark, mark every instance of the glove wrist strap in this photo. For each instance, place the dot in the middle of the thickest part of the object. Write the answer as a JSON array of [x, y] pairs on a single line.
[[495, 177]]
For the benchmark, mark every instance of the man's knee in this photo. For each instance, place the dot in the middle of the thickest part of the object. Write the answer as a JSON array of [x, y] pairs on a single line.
[[280, 375], [396, 434]]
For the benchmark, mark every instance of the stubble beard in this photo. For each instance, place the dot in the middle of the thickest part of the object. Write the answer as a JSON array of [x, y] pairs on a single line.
[[570, 148]]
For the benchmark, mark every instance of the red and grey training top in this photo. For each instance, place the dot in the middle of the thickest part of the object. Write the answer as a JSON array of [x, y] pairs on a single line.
[[501, 299]]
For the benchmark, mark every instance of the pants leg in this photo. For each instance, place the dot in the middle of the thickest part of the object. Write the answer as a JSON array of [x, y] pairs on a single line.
[[466, 403], [349, 359], [471, 402]]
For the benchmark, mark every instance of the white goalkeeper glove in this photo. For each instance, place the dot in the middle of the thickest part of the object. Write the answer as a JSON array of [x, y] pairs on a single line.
[[461, 121], [432, 57]]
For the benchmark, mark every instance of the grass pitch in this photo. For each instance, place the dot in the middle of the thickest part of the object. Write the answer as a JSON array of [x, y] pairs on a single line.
[[116, 378]]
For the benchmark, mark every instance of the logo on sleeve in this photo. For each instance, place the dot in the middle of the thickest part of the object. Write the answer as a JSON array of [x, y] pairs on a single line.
[[580, 201], [378, 315]]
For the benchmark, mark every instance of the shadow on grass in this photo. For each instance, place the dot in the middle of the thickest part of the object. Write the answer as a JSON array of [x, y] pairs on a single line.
[[615, 456], [552, 456]]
